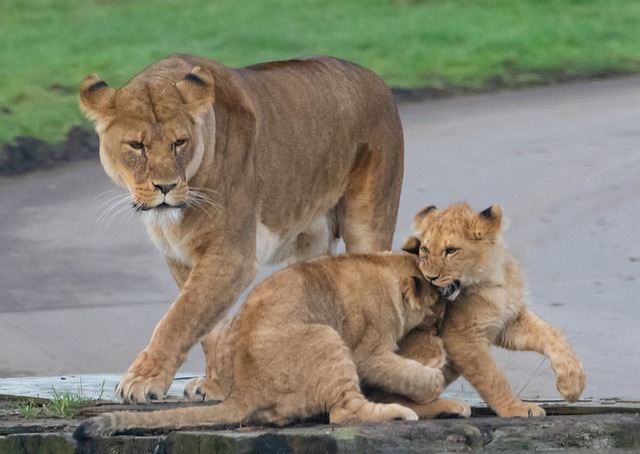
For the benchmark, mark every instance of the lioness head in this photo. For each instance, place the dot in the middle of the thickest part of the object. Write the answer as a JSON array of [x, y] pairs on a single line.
[[455, 245], [150, 139]]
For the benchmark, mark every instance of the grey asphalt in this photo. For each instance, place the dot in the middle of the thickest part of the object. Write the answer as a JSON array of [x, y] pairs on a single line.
[[81, 288]]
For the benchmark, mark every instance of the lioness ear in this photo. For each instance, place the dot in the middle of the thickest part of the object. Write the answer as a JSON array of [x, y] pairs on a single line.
[[196, 90], [96, 97], [487, 223], [421, 216], [412, 245]]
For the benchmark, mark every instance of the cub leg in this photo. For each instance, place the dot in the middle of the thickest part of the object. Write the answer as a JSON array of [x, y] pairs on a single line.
[[313, 376], [427, 349], [528, 332], [397, 375], [473, 360]]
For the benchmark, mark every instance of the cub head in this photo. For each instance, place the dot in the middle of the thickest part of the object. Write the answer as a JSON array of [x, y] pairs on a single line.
[[151, 139], [456, 246]]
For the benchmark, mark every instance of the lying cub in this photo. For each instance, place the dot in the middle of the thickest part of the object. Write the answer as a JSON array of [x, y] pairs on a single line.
[[302, 342], [462, 253]]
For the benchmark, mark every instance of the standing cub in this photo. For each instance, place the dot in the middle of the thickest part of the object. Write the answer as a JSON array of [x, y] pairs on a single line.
[[462, 253], [305, 338]]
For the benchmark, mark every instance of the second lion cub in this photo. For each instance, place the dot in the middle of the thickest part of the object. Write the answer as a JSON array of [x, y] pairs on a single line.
[[462, 253]]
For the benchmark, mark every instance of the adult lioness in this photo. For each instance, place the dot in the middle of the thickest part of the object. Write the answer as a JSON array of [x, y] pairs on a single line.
[[238, 167], [303, 340]]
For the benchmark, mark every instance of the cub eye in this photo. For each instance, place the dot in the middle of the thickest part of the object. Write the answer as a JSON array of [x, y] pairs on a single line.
[[451, 250], [424, 249], [136, 145], [179, 142]]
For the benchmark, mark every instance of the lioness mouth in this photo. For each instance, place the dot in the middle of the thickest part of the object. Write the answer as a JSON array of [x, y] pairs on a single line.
[[162, 206], [451, 291]]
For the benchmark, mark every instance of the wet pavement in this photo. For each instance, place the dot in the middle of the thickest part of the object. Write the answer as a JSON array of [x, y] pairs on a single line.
[[81, 287]]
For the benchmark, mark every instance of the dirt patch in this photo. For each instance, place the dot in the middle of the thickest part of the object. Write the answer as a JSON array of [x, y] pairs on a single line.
[[30, 153], [515, 80]]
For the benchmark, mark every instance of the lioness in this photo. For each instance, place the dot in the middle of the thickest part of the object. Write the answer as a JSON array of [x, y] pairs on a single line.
[[305, 337], [463, 254], [233, 168]]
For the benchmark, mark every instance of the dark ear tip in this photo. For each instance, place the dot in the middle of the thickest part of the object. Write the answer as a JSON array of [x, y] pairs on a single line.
[[412, 245], [426, 211], [97, 86], [492, 212], [191, 77]]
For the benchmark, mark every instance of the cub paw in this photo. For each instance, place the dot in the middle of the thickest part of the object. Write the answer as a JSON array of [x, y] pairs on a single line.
[[570, 379], [441, 408], [147, 379], [398, 412], [432, 384], [202, 389], [522, 410]]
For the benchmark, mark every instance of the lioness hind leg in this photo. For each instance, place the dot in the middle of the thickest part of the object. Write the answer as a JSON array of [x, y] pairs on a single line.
[[214, 346], [203, 389], [368, 209]]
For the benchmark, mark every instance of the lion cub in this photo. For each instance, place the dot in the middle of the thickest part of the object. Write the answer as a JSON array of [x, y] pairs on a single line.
[[304, 339], [463, 254]]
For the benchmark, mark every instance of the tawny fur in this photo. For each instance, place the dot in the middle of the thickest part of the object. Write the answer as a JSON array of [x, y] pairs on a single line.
[[459, 244], [234, 168], [303, 341]]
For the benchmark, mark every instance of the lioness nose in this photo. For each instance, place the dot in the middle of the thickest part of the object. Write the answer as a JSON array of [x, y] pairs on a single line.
[[164, 188]]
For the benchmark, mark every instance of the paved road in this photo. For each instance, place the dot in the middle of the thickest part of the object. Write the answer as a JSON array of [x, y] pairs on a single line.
[[81, 289]]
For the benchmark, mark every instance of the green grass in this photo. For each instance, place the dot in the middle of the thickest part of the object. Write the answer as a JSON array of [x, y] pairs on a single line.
[[63, 404], [47, 46]]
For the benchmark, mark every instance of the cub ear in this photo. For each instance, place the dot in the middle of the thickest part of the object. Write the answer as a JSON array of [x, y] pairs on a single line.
[[487, 223], [414, 291], [421, 216], [96, 97], [196, 90], [412, 245]]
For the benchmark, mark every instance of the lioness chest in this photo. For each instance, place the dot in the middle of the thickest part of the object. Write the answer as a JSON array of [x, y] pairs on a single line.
[[170, 240]]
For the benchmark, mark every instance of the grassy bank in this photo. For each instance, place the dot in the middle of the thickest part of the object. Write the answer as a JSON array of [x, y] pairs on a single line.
[[47, 46]]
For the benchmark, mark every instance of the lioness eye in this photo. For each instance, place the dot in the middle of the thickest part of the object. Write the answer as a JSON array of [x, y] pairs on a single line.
[[179, 142], [451, 250], [424, 249], [136, 145]]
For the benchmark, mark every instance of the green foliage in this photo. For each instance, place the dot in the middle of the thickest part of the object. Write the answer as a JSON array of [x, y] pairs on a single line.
[[46, 47], [63, 404]]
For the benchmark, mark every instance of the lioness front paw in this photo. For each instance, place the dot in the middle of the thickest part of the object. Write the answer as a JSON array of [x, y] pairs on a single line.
[[522, 410], [202, 389], [147, 379], [570, 379]]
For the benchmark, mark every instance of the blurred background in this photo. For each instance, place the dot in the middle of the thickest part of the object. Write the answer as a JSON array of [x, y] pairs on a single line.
[[81, 287]]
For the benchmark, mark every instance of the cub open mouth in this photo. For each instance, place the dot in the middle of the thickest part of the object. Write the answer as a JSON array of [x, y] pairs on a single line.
[[451, 291]]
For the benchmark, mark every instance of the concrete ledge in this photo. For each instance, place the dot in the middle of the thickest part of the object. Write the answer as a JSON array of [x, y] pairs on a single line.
[[611, 433], [606, 425]]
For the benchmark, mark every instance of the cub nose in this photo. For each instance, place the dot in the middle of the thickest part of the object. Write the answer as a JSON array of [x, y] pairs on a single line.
[[164, 188]]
